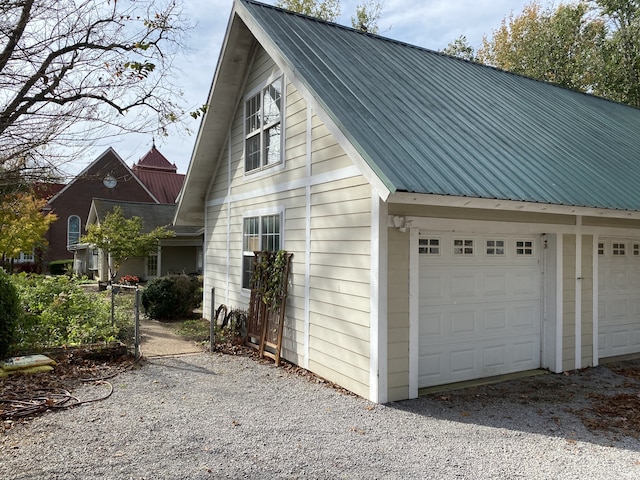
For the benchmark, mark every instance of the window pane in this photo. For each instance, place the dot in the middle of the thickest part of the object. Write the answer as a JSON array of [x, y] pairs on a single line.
[[271, 233], [272, 100], [251, 235], [247, 270], [73, 230], [152, 265], [252, 153], [252, 114], [272, 145]]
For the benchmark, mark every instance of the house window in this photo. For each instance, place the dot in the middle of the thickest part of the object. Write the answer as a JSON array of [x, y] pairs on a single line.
[[618, 249], [259, 233], [24, 257], [463, 246], [524, 248], [73, 230], [600, 248], [263, 127], [496, 247], [152, 265], [429, 246]]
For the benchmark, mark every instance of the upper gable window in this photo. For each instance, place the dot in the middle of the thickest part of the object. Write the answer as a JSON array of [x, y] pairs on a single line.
[[263, 127]]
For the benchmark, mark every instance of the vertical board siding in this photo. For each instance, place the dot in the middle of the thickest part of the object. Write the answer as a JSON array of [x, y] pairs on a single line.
[[340, 243], [398, 315]]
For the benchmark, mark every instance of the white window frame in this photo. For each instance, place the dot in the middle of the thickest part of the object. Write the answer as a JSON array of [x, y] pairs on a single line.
[[69, 230], [426, 247], [495, 247], [465, 246], [153, 257], [261, 131], [246, 254], [524, 247]]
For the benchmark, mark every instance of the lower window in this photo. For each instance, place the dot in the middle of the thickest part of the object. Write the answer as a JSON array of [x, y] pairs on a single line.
[[260, 232]]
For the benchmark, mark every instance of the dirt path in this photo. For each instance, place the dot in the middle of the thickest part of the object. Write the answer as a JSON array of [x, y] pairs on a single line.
[[157, 340]]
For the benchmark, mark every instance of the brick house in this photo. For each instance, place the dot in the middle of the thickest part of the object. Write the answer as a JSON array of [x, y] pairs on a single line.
[[107, 177]]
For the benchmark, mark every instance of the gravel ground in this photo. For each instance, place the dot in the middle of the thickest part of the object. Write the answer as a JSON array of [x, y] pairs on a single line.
[[218, 416]]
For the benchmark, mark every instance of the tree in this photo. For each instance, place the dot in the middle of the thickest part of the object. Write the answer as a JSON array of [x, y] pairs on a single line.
[[328, 10], [123, 238], [72, 70], [460, 48], [367, 16], [23, 224], [621, 69], [563, 46]]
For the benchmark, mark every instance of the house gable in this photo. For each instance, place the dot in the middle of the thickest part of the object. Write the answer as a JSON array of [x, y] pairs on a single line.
[[75, 198]]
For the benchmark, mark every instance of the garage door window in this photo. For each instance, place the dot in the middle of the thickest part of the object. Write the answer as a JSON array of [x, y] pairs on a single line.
[[463, 246], [618, 249], [429, 246], [601, 248], [636, 249], [496, 247], [524, 248]]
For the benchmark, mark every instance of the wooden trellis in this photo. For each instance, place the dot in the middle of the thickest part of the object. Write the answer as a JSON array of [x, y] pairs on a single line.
[[268, 302]]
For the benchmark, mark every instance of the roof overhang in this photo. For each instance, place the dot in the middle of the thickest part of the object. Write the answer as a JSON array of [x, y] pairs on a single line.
[[508, 205]]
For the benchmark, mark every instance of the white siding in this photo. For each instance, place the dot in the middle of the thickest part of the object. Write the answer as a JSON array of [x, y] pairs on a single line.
[[339, 224]]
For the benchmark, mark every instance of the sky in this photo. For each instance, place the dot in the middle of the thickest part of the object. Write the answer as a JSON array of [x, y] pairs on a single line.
[[426, 23]]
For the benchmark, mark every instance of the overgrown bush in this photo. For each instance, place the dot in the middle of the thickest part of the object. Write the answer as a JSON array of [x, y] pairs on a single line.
[[10, 312], [58, 312], [171, 297]]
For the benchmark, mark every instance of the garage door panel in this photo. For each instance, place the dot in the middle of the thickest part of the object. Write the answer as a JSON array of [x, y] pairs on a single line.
[[457, 363], [619, 299], [479, 316]]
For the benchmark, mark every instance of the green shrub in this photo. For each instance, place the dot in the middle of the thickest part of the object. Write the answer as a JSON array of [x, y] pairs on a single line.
[[60, 267], [172, 296], [10, 312], [59, 313]]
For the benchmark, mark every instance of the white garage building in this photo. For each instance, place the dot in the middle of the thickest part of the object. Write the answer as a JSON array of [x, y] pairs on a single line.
[[448, 221]]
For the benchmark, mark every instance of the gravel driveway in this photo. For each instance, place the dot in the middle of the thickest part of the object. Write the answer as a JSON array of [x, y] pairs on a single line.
[[218, 416]]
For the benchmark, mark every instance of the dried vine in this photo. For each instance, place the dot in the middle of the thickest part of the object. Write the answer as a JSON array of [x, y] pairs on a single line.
[[269, 276]]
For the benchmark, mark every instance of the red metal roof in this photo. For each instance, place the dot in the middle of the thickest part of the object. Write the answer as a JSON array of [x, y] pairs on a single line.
[[159, 176], [154, 160], [165, 186]]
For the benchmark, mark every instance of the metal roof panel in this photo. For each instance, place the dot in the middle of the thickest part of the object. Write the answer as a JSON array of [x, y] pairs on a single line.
[[429, 123]]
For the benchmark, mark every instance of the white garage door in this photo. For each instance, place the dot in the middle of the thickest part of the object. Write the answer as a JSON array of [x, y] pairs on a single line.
[[480, 306], [618, 297]]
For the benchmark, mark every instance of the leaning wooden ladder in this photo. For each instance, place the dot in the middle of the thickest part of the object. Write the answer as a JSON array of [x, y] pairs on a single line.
[[265, 322]]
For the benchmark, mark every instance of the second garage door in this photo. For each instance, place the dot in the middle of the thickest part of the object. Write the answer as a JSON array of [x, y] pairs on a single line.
[[619, 297], [480, 306]]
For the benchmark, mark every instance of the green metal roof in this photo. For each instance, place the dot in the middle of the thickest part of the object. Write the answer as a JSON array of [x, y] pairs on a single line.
[[429, 123]]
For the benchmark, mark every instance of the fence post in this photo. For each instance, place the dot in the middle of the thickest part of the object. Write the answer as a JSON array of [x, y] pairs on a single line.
[[137, 324], [212, 323]]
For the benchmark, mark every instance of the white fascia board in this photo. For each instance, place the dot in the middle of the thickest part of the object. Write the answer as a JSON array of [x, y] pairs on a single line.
[[313, 102], [508, 205]]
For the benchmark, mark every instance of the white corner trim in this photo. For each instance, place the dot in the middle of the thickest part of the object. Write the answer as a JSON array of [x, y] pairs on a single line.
[[414, 312], [578, 301], [307, 245], [378, 302], [559, 302], [595, 295]]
